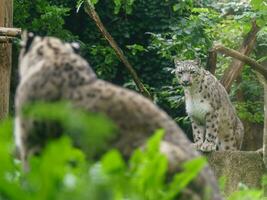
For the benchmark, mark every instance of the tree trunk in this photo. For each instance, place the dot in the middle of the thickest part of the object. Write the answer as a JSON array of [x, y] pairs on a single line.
[[6, 20], [265, 126], [263, 80], [212, 61], [236, 66]]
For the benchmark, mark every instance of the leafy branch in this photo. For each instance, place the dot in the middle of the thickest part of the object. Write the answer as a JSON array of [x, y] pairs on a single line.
[[90, 10]]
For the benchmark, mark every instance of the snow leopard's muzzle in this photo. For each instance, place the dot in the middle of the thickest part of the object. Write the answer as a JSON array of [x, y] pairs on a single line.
[[186, 80]]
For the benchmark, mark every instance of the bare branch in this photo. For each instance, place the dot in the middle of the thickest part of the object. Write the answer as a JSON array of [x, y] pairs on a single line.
[[235, 54], [89, 9]]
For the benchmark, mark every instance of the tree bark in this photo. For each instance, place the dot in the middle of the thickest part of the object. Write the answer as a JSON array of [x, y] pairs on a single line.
[[212, 60], [89, 9], [236, 66], [6, 20], [265, 132], [10, 32], [235, 54], [263, 80], [6, 39]]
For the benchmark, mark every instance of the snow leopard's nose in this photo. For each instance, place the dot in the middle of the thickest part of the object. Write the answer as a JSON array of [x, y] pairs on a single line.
[[186, 83]]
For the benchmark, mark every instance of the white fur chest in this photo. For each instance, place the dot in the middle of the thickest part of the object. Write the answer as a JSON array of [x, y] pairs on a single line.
[[196, 106]]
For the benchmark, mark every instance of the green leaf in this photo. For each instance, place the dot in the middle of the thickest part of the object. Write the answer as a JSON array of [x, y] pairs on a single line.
[[153, 143], [117, 7], [112, 162], [200, 10], [190, 170], [129, 6], [256, 4], [176, 7], [79, 5], [94, 1]]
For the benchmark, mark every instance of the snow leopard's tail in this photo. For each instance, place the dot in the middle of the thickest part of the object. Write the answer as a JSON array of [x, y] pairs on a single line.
[[239, 133]]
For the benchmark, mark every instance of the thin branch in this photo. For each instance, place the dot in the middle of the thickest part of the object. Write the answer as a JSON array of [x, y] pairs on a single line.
[[10, 32], [89, 9], [235, 54]]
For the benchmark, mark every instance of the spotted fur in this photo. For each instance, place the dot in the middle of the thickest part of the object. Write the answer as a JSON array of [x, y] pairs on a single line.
[[214, 120]]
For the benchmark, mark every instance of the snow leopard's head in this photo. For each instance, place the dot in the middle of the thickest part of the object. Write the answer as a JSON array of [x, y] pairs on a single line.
[[38, 52], [187, 71]]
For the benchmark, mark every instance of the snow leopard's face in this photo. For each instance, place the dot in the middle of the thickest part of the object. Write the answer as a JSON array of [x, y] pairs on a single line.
[[36, 50], [186, 71]]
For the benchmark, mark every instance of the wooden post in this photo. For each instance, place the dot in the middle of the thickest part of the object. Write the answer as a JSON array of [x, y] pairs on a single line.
[[6, 20]]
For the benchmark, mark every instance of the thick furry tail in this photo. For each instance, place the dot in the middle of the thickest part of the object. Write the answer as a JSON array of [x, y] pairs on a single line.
[[239, 133]]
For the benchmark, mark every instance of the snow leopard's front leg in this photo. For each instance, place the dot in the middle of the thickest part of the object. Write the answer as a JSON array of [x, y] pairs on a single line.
[[20, 138], [198, 134], [211, 133]]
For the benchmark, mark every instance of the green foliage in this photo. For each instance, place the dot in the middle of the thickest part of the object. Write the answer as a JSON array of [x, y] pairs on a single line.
[[244, 193], [260, 6], [182, 6], [189, 38], [125, 4], [150, 33], [251, 111], [48, 18], [108, 58], [62, 171]]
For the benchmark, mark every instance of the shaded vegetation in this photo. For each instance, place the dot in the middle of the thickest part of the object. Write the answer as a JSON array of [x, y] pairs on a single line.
[[63, 172], [151, 33]]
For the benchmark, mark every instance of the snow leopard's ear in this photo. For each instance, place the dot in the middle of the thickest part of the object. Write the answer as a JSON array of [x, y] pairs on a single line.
[[75, 46], [26, 40], [197, 61], [177, 62]]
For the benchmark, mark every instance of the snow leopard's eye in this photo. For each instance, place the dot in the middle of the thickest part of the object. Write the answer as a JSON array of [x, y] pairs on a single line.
[[192, 72], [178, 73]]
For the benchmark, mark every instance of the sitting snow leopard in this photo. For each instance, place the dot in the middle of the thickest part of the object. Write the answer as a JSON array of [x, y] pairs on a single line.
[[215, 123]]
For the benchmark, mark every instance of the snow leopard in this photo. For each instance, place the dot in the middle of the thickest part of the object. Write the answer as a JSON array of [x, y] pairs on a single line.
[[215, 123]]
